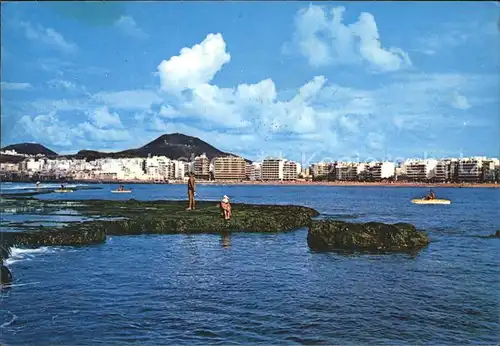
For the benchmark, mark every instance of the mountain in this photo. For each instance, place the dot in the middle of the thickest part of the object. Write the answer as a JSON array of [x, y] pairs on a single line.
[[30, 149], [174, 146]]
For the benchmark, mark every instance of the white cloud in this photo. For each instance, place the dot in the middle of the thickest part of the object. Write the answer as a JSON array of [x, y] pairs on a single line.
[[49, 128], [317, 116], [128, 25], [15, 86], [66, 85], [194, 66], [168, 111], [129, 99], [48, 36], [103, 118], [460, 102], [324, 41]]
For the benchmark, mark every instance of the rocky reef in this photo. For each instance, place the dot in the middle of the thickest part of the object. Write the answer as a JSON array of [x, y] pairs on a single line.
[[372, 237], [495, 235], [134, 217]]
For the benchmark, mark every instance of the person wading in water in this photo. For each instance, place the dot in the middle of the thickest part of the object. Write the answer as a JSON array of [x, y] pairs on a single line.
[[191, 191]]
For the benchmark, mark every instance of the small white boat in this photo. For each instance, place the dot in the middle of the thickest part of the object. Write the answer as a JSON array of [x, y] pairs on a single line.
[[63, 191], [430, 201], [122, 191]]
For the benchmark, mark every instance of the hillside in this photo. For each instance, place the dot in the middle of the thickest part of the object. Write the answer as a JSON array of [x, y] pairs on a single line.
[[30, 149], [174, 146]]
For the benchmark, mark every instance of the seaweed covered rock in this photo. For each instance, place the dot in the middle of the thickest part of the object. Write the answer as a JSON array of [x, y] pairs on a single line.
[[134, 217], [372, 237], [82, 234], [207, 219]]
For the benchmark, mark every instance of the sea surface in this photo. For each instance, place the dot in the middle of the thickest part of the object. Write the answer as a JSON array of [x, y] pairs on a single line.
[[265, 288]]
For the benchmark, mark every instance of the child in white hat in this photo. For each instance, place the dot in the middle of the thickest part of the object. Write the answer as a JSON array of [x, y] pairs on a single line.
[[226, 207]]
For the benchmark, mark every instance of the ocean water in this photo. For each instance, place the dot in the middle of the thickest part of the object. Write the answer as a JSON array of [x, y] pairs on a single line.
[[266, 288]]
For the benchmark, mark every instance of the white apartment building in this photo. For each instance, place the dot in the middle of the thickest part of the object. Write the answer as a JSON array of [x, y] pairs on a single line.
[[257, 170], [382, 170], [9, 167], [202, 167], [32, 165], [230, 168], [272, 169], [321, 169], [420, 169], [291, 170], [472, 169], [346, 171], [180, 169]]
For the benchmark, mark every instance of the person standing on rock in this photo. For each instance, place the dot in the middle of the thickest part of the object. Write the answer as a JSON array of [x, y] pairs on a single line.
[[191, 191]]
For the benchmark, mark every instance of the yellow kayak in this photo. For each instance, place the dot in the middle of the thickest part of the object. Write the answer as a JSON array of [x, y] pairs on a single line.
[[63, 190], [430, 201], [118, 191]]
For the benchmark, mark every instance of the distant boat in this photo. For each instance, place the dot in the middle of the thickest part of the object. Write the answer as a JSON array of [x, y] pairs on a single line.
[[122, 191], [430, 201], [63, 191]]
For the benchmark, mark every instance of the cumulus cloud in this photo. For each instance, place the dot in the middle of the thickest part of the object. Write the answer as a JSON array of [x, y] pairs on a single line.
[[129, 27], [15, 86], [103, 118], [460, 102], [316, 115], [104, 127], [323, 38], [194, 66], [48, 36]]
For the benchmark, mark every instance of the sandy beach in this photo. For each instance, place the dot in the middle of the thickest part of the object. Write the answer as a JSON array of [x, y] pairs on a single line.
[[310, 183]]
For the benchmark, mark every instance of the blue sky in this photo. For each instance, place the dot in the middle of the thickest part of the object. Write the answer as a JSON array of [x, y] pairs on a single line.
[[357, 81]]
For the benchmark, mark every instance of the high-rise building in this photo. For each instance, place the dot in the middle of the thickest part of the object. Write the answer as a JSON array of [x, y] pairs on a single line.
[[420, 170], [346, 171], [272, 169], [202, 167], [382, 170], [230, 168], [320, 170], [250, 171], [290, 170]]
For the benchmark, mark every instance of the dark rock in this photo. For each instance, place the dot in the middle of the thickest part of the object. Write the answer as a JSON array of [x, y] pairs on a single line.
[[157, 217], [372, 237], [5, 276], [496, 235], [86, 233]]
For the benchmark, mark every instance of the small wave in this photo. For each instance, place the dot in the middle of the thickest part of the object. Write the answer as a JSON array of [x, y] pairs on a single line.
[[20, 254], [8, 323], [41, 186]]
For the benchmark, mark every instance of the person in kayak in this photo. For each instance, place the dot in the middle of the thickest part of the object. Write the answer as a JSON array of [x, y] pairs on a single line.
[[121, 188], [430, 195]]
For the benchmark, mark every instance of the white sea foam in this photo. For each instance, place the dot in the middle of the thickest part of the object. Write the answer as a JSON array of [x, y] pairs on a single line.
[[19, 254]]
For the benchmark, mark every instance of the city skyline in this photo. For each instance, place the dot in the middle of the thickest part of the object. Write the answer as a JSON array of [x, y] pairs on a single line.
[[359, 88]]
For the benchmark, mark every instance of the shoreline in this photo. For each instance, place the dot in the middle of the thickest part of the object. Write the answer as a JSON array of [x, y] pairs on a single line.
[[280, 183]]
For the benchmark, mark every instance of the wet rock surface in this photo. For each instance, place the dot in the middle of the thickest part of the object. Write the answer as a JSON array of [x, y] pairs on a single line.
[[372, 237], [134, 217]]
